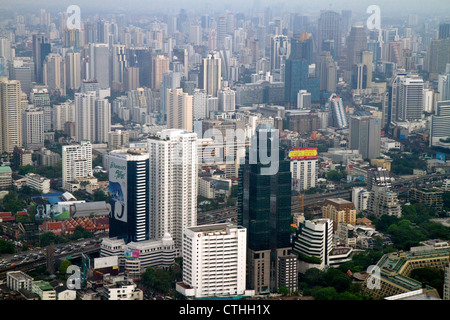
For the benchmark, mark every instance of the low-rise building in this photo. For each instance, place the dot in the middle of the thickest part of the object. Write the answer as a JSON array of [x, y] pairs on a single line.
[[5, 177], [44, 290], [37, 182], [122, 290], [339, 210], [18, 280], [430, 198]]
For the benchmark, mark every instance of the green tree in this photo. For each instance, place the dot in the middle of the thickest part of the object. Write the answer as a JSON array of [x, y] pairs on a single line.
[[6, 246], [328, 293], [23, 170], [335, 175], [63, 266], [284, 290], [158, 279]]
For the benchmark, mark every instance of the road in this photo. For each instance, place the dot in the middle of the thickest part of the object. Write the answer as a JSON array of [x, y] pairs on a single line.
[[29, 260]]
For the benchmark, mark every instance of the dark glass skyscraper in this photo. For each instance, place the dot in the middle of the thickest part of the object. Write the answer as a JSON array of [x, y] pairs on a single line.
[[129, 196], [297, 78], [264, 208]]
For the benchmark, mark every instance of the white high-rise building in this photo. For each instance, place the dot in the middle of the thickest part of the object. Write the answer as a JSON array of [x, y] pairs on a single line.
[[227, 100], [118, 65], [11, 104], [303, 100], [210, 77], [55, 73], [73, 70], [173, 183], [179, 110], [214, 261], [199, 107], [410, 102], [76, 162], [33, 128], [360, 198], [304, 174], [99, 64], [85, 116], [102, 120], [93, 117], [62, 113]]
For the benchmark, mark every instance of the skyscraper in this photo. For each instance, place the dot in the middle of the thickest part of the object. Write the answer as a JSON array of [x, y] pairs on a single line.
[[264, 208], [99, 64], [329, 30], [280, 50], [356, 42], [298, 78], [365, 136], [118, 64], [327, 72], [129, 195], [210, 77], [41, 48], [33, 128], [55, 74], [173, 183], [160, 65], [73, 70], [410, 103], [179, 110], [12, 102]]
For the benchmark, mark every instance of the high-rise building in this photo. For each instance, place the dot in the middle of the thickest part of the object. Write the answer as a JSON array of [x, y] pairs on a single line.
[[62, 113], [444, 30], [382, 201], [200, 110], [99, 64], [439, 128], [410, 102], [327, 72], [264, 209], [102, 120], [160, 65], [118, 139], [12, 102], [210, 77], [41, 48], [33, 128], [171, 80], [118, 64], [73, 71], [85, 116], [204, 246], [337, 118], [298, 77], [179, 110], [131, 79], [76, 162], [227, 100], [280, 50], [173, 183], [330, 33], [356, 42], [129, 195], [304, 174], [365, 136], [346, 18], [54, 76], [303, 100]]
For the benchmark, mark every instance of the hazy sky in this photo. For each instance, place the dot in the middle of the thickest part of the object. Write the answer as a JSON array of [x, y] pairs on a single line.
[[440, 8]]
